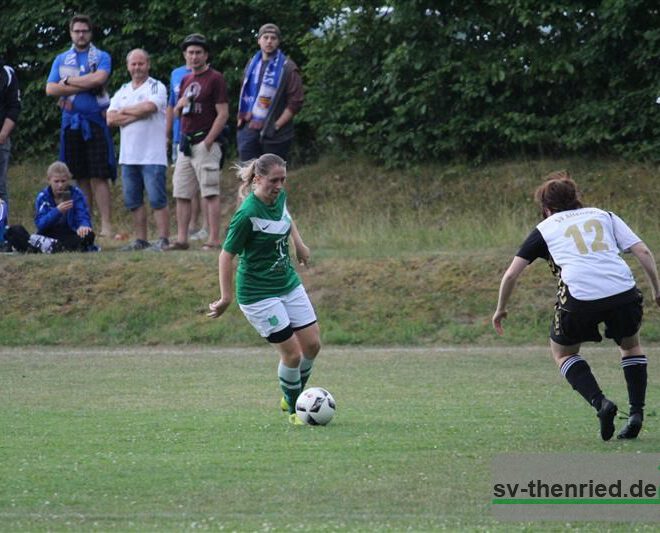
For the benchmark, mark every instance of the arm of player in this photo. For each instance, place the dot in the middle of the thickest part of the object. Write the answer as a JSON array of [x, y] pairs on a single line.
[[646, 259], [302, 251], [507, 285], [225, 274]]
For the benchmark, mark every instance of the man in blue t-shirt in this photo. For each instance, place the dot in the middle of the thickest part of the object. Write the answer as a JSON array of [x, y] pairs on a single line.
[[77, 79], [173, 121]]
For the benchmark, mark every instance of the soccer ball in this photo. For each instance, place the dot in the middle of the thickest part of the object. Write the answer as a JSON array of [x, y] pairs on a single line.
[[315, 406]]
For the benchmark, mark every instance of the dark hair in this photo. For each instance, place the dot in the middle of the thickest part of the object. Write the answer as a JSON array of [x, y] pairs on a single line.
[[558, 193], [86, 19], [256, 167]]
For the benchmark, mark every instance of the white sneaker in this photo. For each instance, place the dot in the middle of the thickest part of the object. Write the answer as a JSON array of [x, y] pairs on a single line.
[[200, 235]]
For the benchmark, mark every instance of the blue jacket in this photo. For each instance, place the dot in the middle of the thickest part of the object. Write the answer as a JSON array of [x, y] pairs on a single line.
[[46, 214]]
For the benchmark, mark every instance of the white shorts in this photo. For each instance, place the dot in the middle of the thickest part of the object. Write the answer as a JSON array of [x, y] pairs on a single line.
[[274, 314]]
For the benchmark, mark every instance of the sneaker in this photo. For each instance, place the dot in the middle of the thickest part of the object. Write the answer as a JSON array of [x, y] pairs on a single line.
[[160, 245], [632, 428], [135, 246], [200, 235], [295, 420], [284, 405], [606, 413]]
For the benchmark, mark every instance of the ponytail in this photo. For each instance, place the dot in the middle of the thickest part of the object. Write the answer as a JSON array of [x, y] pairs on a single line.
[[246, 174]]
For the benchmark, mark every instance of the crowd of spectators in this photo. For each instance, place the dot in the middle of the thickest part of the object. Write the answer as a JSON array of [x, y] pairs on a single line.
[[192, 120]]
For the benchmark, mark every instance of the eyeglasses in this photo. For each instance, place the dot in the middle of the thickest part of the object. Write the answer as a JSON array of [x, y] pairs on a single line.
[[81, 31]]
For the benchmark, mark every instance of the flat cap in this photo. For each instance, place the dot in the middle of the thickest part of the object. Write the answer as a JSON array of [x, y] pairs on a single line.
[[196, 39]]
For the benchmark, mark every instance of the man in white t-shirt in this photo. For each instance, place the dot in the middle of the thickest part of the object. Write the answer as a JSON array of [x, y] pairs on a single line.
[[138, 108], [595, 286]]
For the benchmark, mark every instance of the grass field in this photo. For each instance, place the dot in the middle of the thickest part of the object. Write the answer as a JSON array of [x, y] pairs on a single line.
[[168, 421], [175, 439]]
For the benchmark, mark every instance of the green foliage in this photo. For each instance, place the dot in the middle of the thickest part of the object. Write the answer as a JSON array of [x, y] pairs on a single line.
[[486, 79], [404, 81]]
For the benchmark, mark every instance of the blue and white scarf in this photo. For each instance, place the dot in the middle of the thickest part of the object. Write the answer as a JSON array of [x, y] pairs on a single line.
[[70, 67], [256, 100]]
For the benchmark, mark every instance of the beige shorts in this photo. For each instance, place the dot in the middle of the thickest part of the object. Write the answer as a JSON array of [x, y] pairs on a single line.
[[199, 171]]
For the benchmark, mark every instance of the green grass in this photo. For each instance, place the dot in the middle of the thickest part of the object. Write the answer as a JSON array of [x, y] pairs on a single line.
[[183, 439], [397, 258]]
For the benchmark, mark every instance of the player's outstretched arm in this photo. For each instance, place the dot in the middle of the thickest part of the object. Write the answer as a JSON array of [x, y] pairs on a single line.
[[646, 259], [225, 274], [302, 250], [507, 285]]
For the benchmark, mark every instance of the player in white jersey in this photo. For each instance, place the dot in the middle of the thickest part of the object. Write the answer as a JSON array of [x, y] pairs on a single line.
[[595, 285]]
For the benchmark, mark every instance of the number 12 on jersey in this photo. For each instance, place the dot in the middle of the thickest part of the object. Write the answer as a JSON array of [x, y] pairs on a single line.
[[598, 243]]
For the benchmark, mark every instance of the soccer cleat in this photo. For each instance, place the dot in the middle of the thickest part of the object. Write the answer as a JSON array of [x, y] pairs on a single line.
[[284, 405], [295, 420], [606, 413], [632, 428]]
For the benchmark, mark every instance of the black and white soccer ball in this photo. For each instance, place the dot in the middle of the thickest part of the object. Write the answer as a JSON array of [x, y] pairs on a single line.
[[315, 406]]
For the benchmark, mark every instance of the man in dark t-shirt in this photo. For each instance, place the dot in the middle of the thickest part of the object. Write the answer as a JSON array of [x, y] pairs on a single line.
[[203, 108]]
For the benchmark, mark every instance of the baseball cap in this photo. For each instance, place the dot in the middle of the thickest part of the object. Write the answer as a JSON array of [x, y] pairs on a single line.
[[196, 39]]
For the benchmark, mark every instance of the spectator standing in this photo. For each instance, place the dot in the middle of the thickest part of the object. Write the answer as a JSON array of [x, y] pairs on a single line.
[[174, 134], [10, 108], [271, 95], [203, 108], [138, 108], [77, 78]]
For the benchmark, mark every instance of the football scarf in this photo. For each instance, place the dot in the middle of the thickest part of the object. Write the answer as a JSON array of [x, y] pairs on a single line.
[[70, 67], [256, 99]]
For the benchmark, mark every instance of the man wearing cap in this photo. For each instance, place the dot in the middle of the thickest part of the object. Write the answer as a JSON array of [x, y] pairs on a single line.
[[203, 108], [271, 94]]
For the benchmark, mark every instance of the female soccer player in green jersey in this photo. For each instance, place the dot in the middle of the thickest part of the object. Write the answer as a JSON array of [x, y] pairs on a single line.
[[268, 289]]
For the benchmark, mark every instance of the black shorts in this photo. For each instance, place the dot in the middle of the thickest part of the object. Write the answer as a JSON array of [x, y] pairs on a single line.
[[581, 324], [87, 159]]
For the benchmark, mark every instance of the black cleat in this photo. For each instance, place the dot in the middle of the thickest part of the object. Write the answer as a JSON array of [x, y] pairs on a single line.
[[632, 428], [606, 413]]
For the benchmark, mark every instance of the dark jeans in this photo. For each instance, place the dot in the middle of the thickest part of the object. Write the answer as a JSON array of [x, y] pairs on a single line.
[[251, 146], [4, 165], [69, 239]]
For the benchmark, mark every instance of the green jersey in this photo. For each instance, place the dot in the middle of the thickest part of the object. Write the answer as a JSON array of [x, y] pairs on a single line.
[[259, 234]]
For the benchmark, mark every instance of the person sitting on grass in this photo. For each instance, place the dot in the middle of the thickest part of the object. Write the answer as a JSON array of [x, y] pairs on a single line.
[[61, 216], [595, 286]]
